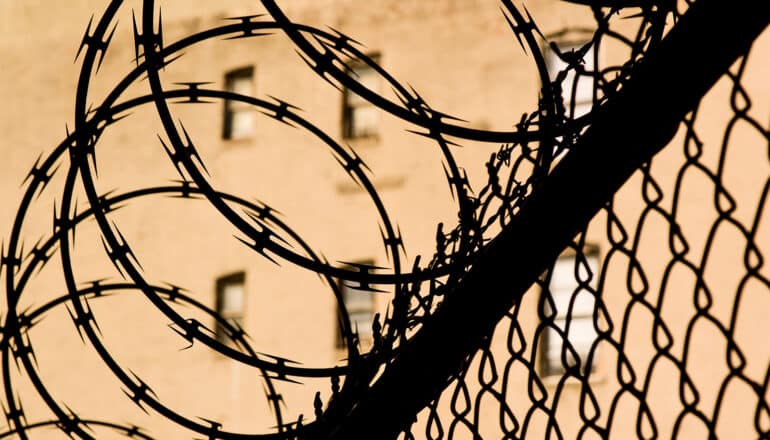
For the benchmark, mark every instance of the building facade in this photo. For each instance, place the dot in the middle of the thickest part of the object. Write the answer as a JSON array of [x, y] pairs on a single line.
[[463, 59]]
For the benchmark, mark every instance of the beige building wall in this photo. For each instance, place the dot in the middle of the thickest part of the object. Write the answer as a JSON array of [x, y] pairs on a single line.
[[462, 59]]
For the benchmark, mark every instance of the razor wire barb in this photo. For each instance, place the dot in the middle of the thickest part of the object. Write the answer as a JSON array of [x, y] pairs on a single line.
[[530, 162]]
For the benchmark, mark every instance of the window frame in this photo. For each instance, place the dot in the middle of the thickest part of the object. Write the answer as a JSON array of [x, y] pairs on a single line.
[[547, 366], [569, 87], [348, 108], [220, 285], [340, 342], [233, 107]]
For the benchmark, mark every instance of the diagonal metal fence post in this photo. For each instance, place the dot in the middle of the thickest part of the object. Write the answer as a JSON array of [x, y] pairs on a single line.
[[626, 133]]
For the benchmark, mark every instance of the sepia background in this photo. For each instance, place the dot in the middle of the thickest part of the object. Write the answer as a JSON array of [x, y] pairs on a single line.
[[463, 59]]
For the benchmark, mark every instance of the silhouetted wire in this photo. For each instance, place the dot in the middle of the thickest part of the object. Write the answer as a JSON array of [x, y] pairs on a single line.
[[523, 161]]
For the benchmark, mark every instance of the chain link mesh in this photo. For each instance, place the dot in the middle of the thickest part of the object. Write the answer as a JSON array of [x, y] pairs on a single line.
[[672, 296]]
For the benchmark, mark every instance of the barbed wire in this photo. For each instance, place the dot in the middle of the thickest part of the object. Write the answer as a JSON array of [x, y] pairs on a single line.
[[525, 159]]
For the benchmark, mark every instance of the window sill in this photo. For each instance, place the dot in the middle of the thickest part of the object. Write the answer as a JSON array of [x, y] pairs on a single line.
[[363, 141], [552, 381], [234, 142]]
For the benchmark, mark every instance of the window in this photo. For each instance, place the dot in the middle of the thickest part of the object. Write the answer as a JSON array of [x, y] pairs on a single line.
[[239, 116], [360, 306], [563, 286], [584, 87], [231, 296], [360, 118]]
